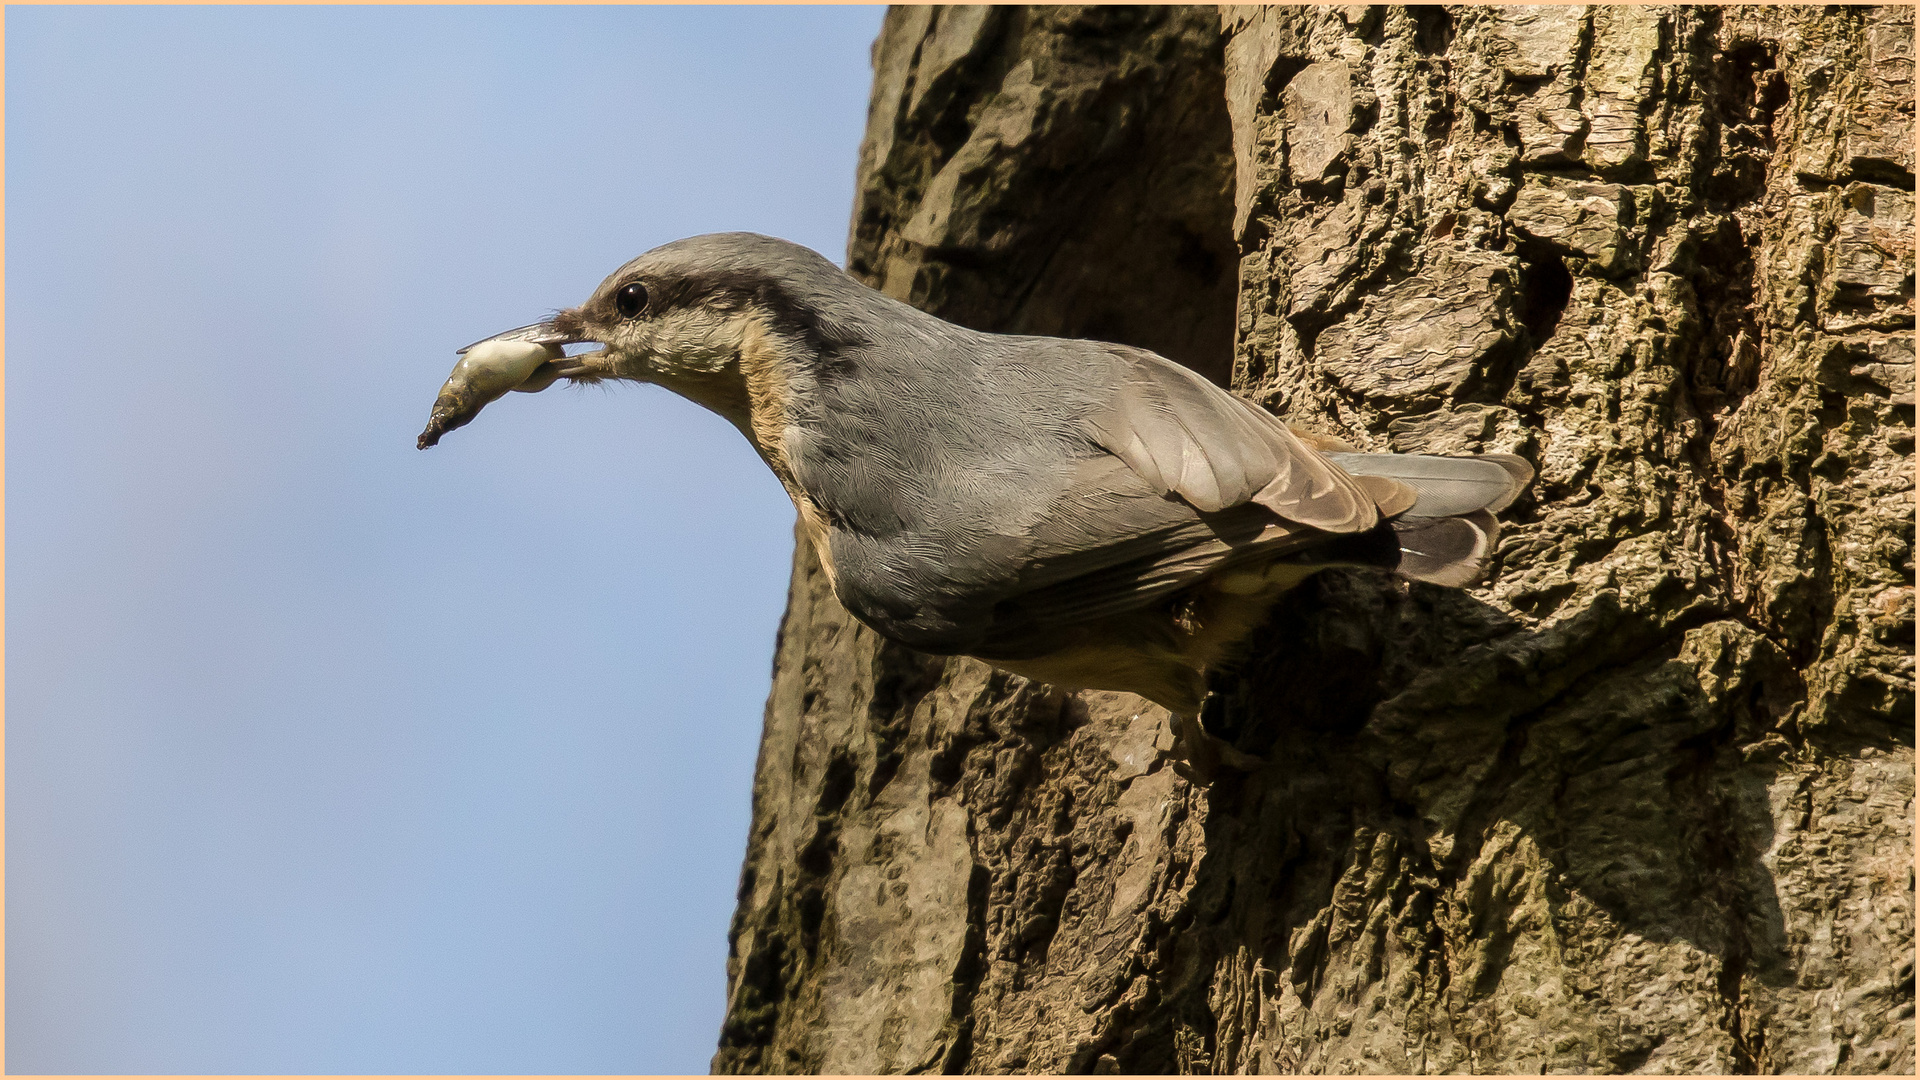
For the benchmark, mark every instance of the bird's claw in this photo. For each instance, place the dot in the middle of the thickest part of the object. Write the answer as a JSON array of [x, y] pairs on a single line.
[[1200, 757]]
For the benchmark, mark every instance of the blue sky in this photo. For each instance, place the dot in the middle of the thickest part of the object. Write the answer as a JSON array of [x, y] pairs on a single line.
[[325, 754]]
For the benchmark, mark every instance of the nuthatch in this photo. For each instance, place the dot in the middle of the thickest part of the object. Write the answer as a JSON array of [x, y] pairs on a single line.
[[1084, 514]]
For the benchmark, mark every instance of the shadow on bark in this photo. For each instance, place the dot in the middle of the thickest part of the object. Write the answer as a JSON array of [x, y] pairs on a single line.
[[1623, 778]]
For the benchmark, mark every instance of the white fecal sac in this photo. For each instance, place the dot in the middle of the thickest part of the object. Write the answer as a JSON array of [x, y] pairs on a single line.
[[492, 368], [486, 371]]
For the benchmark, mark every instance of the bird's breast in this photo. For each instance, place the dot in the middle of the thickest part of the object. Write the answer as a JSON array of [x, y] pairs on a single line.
[[767, 369]]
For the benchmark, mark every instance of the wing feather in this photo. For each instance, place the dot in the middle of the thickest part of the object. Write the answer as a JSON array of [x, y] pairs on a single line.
[[1187, 437], [1447, 486], [1113, 536]]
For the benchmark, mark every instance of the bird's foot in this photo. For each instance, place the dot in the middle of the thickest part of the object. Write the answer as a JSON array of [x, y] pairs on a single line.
[[1205, 756]]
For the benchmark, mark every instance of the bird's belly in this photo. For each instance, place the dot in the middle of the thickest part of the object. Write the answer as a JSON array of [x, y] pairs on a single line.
[[1161, 651]]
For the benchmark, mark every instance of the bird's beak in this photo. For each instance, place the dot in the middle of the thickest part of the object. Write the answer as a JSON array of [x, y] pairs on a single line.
[[527, 358], [549, 334], [540, 333]]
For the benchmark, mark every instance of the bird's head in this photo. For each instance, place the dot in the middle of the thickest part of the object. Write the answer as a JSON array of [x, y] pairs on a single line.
[[709, 317], [706, 317], [686, 314]]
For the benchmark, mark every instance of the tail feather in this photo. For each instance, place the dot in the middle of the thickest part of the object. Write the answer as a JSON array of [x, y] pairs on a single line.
[[1438, 512], [1446, 486], [1447, 550], [1517, 467], [1447, 534], [1390, 496]]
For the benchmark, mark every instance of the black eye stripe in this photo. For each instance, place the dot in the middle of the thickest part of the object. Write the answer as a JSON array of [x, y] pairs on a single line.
[[667, 291], [630, 299]]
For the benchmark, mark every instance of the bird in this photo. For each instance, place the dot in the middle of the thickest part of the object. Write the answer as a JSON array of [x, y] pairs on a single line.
[[1086, 514]]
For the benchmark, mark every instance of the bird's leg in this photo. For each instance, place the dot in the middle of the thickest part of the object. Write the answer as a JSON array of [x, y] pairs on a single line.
[[1196, 753], [1213, 716], [1206, 753]]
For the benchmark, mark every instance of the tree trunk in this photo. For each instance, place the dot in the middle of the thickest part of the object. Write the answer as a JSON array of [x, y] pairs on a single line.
[[1641, 802]]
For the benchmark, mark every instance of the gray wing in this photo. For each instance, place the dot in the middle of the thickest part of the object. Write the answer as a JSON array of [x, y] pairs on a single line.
[[1193, 479], [1114, 543], [1183, 435]]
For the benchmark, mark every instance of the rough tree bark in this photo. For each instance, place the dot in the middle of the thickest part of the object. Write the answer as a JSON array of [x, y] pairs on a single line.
[[1641, 803]]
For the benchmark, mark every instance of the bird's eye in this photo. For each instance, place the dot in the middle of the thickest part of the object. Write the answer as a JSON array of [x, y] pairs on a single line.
[[631, 299]]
